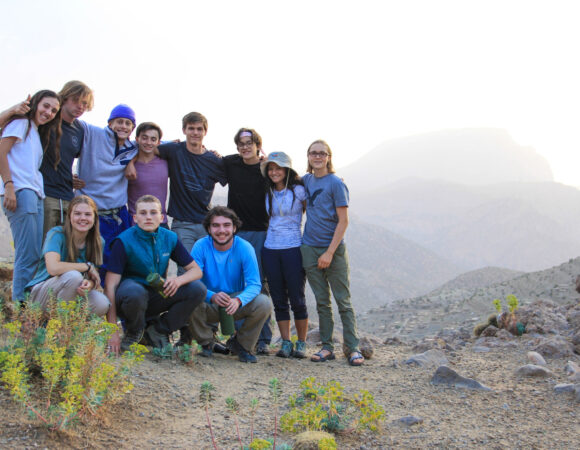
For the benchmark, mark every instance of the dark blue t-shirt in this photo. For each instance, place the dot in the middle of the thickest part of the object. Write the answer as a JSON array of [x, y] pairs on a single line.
[[58, 183], [193, 178]]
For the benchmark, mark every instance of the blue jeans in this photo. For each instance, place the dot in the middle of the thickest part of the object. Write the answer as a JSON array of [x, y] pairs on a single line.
[[257, 239], [26, 226]]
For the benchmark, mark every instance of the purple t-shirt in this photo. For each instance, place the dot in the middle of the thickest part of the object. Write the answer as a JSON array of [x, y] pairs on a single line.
[[151, 179]]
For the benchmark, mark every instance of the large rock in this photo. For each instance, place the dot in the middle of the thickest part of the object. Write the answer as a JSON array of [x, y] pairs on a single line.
[[543, 317], [448, 377], [531, 370], [430, 358], [536, 358], [555, 347]]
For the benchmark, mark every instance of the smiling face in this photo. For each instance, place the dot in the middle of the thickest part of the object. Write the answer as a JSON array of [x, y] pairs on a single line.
[[278, 175], [194, 134], [148, 141], [123, 127], [82, 218], [46, 111], [319, 158], [248, 150], [148, 216], [222, 230]]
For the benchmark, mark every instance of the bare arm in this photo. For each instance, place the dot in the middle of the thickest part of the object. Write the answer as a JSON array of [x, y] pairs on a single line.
[[18, 109], [326, 258], [172, 284], [9, 192]]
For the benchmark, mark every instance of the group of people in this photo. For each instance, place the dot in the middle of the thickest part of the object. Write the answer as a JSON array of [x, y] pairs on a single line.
[[107, 226]]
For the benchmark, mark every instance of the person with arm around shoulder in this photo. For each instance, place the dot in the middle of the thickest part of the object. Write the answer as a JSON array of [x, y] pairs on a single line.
[[22, 189], [324, 254], [282, 260], [71, 255]]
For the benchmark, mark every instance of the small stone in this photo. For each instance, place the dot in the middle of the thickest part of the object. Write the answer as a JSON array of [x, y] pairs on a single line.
[[429, 358], [408, 421], [141, 414], [531, 370], [564, 388], [536, 358], [446, 376], [571, 368], [480, 349]]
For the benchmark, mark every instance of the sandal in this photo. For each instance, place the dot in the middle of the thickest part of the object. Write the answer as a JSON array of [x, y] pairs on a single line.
[[320, 356], [356, 359]]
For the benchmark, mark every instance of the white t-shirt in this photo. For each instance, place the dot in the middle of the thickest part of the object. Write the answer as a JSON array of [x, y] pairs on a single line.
[[24, 157]]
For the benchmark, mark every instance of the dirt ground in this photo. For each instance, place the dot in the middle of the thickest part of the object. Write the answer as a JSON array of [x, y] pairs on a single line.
[[164, 410]]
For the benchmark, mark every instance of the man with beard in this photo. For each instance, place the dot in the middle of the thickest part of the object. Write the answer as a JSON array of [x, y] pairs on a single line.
[[231, 275]]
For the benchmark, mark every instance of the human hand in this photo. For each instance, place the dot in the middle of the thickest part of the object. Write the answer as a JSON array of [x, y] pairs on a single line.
[[221, 299], [130, 171], [171, 286], [78, 183], [93, 275], [22, 107], [10, 202], [85, 287], [233, 306], [325, 259]]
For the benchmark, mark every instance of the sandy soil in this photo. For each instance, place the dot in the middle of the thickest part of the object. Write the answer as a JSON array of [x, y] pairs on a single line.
[[164, 411]]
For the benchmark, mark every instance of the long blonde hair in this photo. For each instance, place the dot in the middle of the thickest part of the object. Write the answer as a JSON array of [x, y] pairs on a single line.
[[93, 244], [329, 165]]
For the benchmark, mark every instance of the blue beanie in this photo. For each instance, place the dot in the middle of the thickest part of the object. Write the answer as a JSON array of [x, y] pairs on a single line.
[[123, 111]]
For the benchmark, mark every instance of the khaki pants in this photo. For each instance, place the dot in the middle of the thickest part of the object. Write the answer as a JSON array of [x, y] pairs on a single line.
[[54, 213], [254, 314], [65, 287]]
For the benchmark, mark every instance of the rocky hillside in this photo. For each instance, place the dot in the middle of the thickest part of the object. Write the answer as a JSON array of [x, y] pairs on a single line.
[[456, 306]]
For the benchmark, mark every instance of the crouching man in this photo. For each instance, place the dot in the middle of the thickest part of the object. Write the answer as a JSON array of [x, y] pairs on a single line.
[[231, 274], [135, 282]]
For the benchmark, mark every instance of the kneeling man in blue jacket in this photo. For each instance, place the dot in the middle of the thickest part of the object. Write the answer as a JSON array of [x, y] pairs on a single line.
[[135, 282], [231, 274]]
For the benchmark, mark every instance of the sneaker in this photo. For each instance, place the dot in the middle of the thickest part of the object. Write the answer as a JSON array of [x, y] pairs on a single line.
[[262, 349], [156, 338], [131, 338], [300, 350], [286, 349], [207, 350], [246, 357]]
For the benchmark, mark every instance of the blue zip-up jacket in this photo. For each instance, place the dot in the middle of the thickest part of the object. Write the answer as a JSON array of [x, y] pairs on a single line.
[[147, 252], [236, 273]]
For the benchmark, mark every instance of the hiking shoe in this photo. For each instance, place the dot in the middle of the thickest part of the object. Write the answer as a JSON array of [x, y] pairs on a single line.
[[299, 350], [207, 350], [286, 349], [262, 349], [220, 348], [246, 357], [131, 338], [156, 338]]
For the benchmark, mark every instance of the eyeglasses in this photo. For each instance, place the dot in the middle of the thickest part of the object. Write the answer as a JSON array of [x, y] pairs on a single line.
[[318, 154], [245, 144]]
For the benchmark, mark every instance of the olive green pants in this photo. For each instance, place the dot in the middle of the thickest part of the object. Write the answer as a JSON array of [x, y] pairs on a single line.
[[322, 281]]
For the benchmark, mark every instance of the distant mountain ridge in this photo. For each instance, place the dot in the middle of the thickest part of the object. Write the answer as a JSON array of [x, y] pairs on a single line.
[[471, 156], [521, 226]]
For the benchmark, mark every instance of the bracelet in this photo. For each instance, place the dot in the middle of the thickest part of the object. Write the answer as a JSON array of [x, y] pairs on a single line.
[[8, 181]]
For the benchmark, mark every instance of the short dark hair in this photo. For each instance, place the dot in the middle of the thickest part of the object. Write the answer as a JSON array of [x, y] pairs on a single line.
[[146, 126], [193, 117], [221, 211], [256, 138]]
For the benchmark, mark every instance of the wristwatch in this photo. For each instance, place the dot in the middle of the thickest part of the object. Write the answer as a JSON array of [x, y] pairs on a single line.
[[90, 265]]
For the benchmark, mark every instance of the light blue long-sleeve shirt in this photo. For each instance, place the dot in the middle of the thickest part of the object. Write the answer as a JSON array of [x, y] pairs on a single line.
[[232, 271]]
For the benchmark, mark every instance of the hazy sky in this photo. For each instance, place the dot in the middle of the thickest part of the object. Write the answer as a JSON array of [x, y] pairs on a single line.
[[353, 73]]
